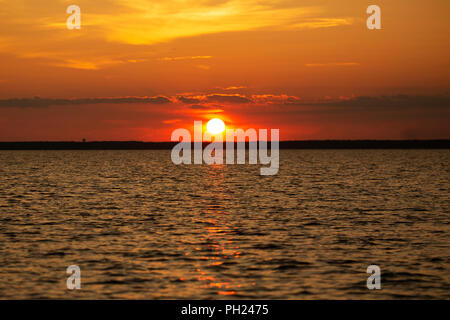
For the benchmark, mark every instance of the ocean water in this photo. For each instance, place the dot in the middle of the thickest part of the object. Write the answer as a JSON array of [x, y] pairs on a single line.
[[140, 227]]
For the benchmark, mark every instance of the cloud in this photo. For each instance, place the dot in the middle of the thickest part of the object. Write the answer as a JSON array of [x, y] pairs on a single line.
[[152, 22], [148, 22], [412, 107], [207, 102], [272, 98], [46, 102], [115, 33], [238, 98], [321, 23], [228, 98], [333, 64], [232, 88], [396, 101], [215, 97], [185, 58], [188, 100]]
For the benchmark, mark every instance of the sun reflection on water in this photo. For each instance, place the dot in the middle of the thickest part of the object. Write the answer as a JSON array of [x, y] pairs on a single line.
[[218, 246]]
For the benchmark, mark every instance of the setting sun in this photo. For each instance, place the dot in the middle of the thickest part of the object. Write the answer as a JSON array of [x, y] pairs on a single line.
[[215, 126]]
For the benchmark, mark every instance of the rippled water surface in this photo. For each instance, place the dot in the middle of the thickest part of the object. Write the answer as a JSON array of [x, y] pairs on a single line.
[[140, 227]]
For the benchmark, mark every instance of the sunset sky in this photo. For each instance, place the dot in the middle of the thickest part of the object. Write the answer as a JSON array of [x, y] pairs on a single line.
[[137, 70]]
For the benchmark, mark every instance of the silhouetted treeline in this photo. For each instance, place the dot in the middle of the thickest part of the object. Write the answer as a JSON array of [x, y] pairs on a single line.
[[306, 144]]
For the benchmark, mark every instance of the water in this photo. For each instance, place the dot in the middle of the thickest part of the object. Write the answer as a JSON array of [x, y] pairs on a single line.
[[140, 227]]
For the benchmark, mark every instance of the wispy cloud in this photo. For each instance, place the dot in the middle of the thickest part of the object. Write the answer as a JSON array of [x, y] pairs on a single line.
[[321, 23], [231, 88], [185, 58], [238, 98], [148, 21], [112, 27], [273, 98], [47, 102], [192, 18], [333, 64], [230, 98]]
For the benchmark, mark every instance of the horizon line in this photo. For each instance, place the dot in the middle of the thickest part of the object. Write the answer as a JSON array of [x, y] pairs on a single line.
[[291, 140]]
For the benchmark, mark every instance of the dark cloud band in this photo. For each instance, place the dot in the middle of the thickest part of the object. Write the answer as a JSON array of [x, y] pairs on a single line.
[[46, 102]]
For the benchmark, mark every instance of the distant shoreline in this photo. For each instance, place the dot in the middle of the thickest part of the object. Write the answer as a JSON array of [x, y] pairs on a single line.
[[303, 144]]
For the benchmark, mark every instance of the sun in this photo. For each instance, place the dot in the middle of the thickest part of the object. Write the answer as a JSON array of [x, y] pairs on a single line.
[[215, 126]]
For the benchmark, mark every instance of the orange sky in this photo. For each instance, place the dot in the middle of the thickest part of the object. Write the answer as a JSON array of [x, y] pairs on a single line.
[[139, 69]]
